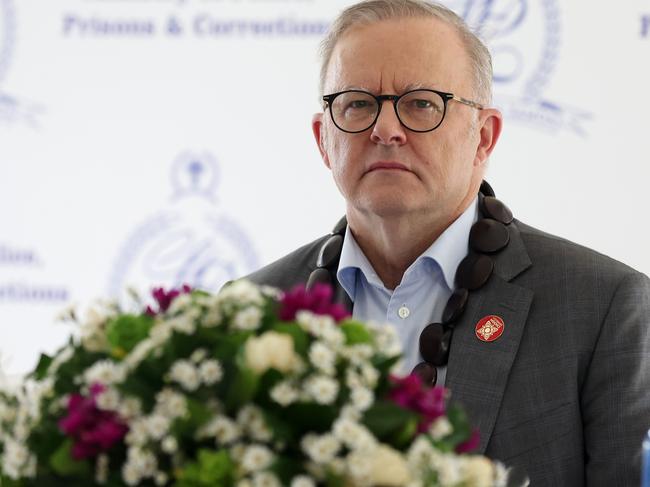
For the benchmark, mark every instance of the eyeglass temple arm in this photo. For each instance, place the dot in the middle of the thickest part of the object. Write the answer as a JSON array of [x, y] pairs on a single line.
[[467, 102]]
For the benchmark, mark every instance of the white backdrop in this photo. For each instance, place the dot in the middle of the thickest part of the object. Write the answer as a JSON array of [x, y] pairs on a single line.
[[166, 141]]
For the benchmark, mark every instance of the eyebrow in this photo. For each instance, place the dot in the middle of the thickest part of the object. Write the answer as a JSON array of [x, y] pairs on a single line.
[[405, 88]]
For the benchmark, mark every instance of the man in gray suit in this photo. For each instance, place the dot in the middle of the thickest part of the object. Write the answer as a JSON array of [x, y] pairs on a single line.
[[544, 342]]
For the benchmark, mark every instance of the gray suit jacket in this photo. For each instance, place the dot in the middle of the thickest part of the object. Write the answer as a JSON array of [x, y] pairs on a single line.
[[564, 393]]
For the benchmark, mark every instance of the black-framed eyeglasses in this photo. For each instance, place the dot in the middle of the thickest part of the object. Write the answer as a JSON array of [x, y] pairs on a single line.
[[421, 110]]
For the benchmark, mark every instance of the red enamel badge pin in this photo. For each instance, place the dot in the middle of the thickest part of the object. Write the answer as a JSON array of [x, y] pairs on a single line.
[[489, 328]]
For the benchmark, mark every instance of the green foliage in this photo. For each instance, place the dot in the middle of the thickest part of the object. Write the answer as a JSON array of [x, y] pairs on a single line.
[[356, 333], [242, 389], [63, 464], [387, 420], [43, 365], [212, 469], [311, 417], [125, 331], [461, 428]]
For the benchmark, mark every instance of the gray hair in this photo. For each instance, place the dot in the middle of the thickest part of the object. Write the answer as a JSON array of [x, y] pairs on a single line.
[[372, 11]]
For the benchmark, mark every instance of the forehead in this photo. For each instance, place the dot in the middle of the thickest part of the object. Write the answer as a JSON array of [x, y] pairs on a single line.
[[398, 54]]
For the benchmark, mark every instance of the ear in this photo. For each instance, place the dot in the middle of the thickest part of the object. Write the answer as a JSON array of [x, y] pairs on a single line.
[[318, 128], [489, 123]]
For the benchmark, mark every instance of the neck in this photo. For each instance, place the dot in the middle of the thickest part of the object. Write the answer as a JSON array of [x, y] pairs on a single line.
[[392, 244]]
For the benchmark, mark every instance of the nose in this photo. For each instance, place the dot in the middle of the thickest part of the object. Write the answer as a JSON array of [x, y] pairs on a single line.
[[387, 129]]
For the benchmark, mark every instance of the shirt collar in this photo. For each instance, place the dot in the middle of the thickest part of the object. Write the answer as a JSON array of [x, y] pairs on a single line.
[[449, 249]]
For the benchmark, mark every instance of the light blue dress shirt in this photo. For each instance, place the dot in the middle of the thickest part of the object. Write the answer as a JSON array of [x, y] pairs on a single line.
[[420, 297]]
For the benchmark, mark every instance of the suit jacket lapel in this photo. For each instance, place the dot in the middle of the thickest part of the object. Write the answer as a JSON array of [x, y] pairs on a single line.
[[478, 371]]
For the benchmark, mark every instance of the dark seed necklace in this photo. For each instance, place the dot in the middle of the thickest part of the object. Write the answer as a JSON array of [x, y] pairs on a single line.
[[488, 236]]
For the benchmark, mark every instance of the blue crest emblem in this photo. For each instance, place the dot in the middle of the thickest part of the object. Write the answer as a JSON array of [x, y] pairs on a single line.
[[190, 241], [521, 76], [11, 109]]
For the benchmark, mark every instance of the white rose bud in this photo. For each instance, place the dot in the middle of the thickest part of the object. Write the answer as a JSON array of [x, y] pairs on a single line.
[[389, 468], [271, 350]]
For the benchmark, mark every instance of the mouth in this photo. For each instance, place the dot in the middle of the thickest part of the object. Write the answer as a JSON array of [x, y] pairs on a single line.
[[387, 166]]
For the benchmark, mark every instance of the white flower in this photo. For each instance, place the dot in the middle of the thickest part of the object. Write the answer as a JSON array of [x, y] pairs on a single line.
[[186, 374], [248, 318], [322, 389], [370, 375], [321, 449], [161, 478], [160, 333], [251, 420], [62, 357], [105, 372], [129, 408], [183, 324], [171, 404], [211, 372], [180, 303], [138, 354], [222, 428], [477, 471], [256, 457], [314, 324], [353, 435], [361, 398], [500, 475], [448, 466], [212, 318], [265, 479], [359, 466], [169, 445], [322, 357], [15, 458], [138, 432], [242, 291], [302, 481], [108, 400], [419, 452], [389, 468], [284, 393], [387, 340], [440, 428], [199, 355], [101, 469], [271, 350], [157, 426]]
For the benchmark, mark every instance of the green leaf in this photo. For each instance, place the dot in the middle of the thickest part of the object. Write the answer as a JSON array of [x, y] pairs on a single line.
[[213, 469], [41, 369], [63, 464], [385, 418], [461, 427], [126, 331], [300, 337], [242, 389], [355, 332], [311, 417]]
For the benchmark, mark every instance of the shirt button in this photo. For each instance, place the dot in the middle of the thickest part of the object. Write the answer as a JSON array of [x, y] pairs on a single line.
[[403, 312]]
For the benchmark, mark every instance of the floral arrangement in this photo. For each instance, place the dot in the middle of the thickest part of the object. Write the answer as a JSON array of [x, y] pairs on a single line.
[[248, 387]]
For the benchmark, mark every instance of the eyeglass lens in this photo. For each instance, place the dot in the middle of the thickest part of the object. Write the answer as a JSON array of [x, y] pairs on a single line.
[[356, 111]]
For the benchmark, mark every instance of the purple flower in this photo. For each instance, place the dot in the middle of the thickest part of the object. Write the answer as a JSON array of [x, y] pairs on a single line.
[[410, 393], [317, 300], [93, 430], [164, 298]]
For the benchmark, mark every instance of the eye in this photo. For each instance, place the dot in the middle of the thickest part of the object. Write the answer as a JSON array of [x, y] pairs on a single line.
[[359, 104]]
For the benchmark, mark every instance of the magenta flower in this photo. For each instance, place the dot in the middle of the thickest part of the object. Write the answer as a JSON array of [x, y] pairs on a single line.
[[317, 300], [93, 430], [470, 444], [164, 298], [410, 393]]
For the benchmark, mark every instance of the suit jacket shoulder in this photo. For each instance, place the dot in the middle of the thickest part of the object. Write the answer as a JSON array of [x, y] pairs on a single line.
[[290, 270]]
